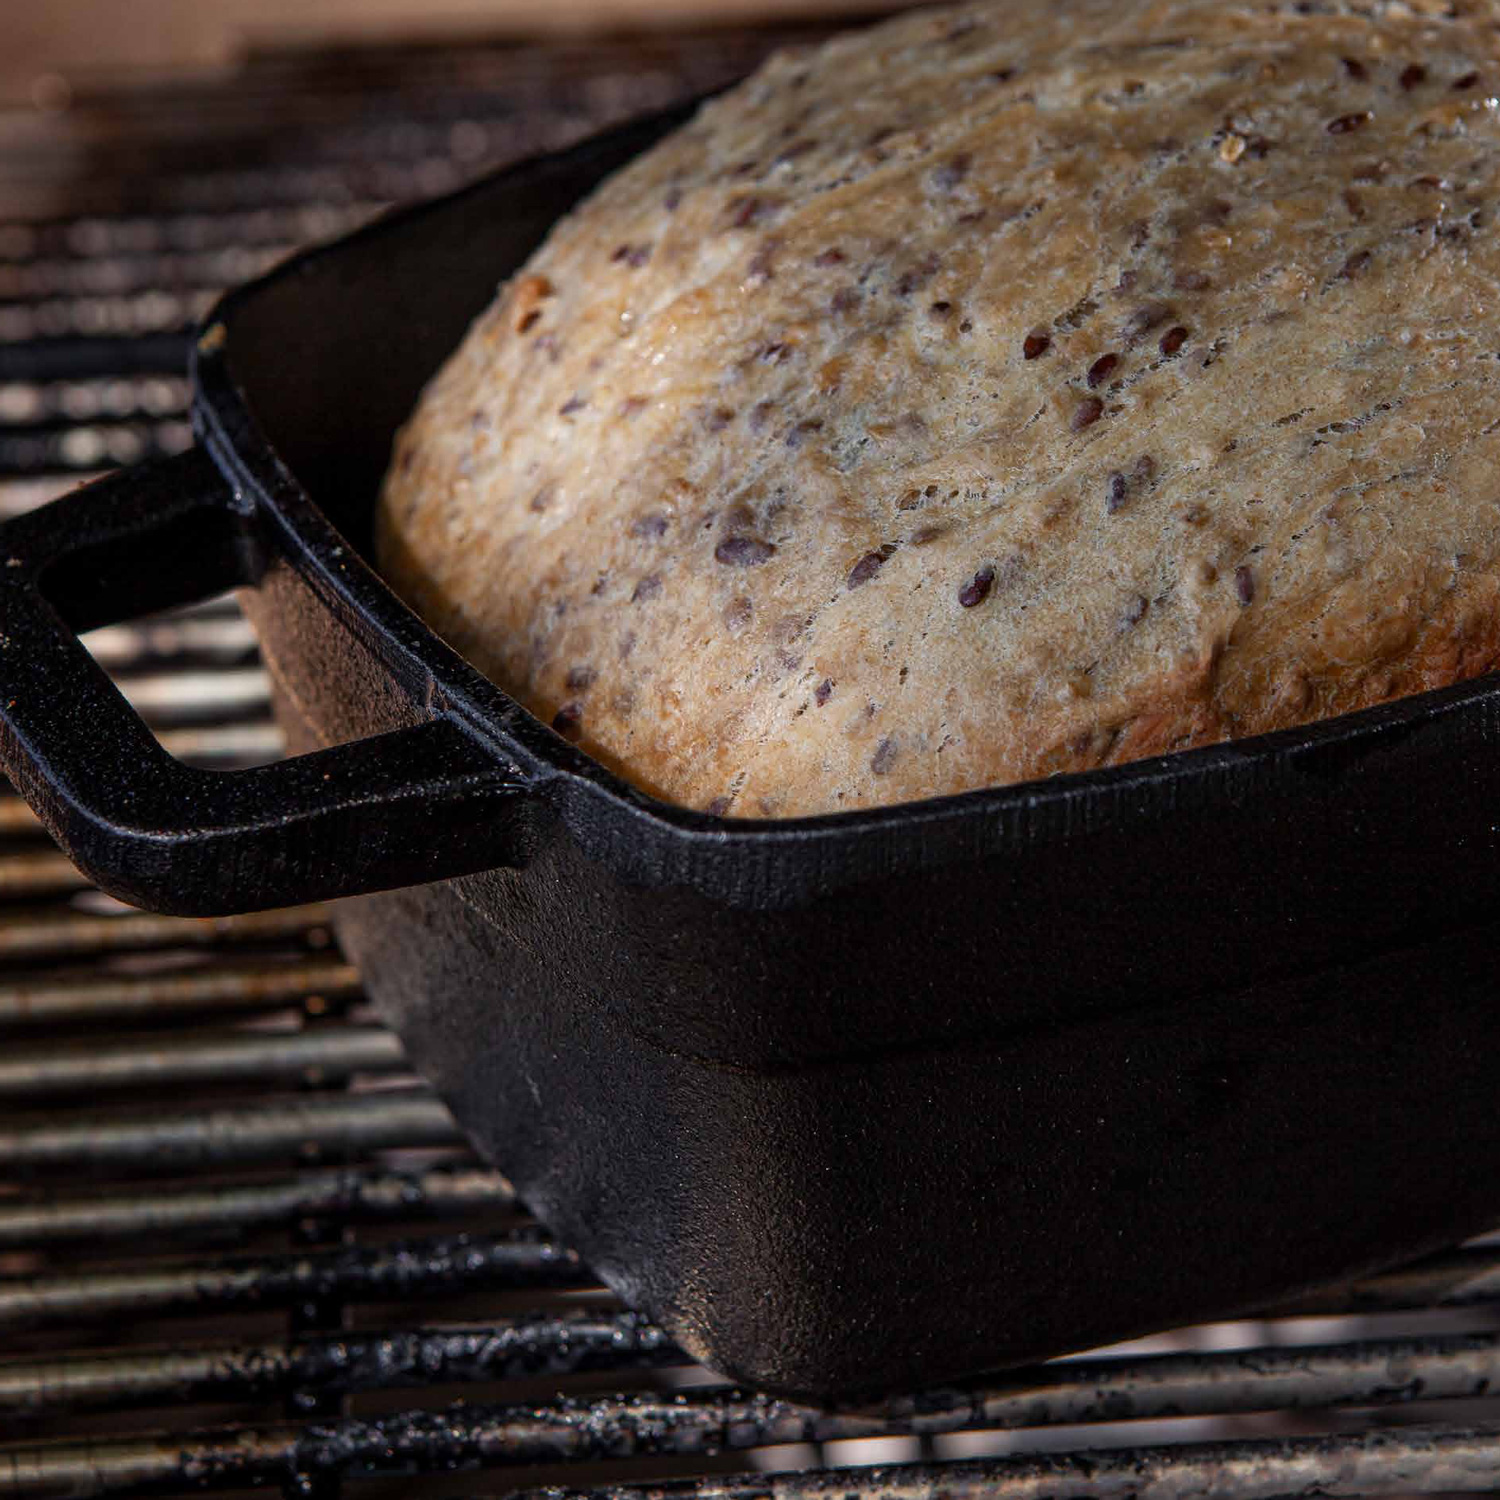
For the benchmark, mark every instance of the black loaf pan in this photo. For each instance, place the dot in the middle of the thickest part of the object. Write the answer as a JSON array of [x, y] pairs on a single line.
[[850, 1103]]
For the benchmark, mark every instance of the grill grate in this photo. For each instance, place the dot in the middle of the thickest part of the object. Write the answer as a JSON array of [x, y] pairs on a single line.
[[239, 1244]]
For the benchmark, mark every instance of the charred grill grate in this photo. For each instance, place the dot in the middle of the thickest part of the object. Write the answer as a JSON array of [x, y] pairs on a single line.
[[239, 1244]]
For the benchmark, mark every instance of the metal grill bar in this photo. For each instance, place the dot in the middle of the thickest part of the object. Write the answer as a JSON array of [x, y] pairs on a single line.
[[1371, 1374], [1141, 1387], [85, 447], [1380, 1373], [437, 1267], [47, 872], [192, 637], [365, 1194], [337, 1364], [18, 494], [17, 819], [412, 1442], [121, 275], [267, 986], [224, 742], [1467, 1277], [468, 1438], [323, 1055], [175, 697], [28, 407], [76, 934], [128, 316], [112, 235], [313, 1129], [55, 355], [1430, 1459]]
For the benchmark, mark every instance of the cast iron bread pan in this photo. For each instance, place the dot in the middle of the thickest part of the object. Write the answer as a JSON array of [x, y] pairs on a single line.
[[850, 1103]]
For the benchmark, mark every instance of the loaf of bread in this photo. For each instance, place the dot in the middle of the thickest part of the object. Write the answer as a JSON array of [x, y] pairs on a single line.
[[1006, 390]]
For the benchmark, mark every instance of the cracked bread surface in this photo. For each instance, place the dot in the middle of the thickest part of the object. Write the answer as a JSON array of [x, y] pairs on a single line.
[[1001, 391]]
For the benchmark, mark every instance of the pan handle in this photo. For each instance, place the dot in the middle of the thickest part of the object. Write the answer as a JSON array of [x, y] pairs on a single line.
[[417, 804]]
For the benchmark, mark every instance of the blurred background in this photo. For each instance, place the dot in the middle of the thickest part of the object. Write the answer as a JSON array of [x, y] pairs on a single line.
[[85, 40], [154, 152]]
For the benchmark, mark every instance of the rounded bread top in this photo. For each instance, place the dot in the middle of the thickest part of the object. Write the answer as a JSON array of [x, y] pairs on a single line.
[[1004, 390]]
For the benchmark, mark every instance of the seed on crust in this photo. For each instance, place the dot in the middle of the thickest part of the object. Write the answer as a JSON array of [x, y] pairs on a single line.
[[1086, 413], [1101, 369], [977, 589], [743, 551]]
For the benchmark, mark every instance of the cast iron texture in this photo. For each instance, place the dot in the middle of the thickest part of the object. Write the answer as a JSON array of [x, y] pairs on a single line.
[[851, 1103]]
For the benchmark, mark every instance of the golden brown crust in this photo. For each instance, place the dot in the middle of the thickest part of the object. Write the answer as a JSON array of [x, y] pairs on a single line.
[[1008, 390]]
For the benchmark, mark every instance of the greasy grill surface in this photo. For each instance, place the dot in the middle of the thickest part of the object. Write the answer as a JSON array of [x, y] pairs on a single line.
[[239, 1244]]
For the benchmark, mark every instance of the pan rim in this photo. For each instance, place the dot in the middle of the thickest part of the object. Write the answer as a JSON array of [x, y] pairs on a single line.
[[587, 793]]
